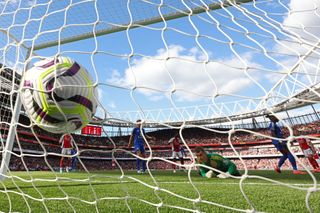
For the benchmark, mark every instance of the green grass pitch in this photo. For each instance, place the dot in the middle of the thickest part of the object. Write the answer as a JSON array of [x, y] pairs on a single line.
[[107, 192]]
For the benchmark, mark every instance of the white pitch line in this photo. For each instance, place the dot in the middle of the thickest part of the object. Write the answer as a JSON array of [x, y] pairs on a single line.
[[225, 183], [210, 183]]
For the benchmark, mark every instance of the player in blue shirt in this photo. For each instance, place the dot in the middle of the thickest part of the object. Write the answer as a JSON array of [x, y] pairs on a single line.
[[74, 160], [281, 146], [138, 142]]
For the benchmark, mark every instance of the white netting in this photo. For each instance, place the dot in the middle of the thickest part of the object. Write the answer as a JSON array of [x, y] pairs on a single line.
[[208, 69]]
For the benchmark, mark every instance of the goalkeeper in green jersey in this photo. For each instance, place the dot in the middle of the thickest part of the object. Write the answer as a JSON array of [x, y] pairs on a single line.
[[217, 162]]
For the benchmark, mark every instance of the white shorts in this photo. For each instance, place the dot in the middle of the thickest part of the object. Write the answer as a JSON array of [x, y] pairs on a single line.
[[176, 154], [307, 152], [66, 151]]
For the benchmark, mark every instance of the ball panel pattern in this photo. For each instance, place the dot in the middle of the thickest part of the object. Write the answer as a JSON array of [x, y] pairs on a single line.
[[58, 94]]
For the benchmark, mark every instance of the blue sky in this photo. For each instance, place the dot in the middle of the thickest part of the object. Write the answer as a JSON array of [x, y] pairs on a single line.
[[176, 61]]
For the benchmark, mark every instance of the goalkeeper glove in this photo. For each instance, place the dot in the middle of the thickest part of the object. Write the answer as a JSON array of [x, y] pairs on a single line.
[[224, 175], [209, 174]]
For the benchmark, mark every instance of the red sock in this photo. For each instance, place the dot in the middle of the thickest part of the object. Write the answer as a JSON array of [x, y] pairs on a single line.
[[61, 163], [68, 162], [313, 162]]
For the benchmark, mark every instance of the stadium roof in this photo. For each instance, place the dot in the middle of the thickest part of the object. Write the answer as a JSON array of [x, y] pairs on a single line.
[[301, 99]]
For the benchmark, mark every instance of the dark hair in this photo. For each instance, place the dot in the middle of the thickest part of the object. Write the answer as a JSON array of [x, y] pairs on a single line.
[[199, 149], [270, 116], [139, 120]]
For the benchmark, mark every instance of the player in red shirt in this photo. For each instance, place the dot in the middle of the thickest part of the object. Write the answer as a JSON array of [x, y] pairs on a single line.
[[176, 152], [316, 157], [309, 152], [66, 147]]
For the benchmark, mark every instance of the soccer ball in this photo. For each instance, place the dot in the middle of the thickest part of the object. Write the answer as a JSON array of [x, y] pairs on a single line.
[[58, 95]]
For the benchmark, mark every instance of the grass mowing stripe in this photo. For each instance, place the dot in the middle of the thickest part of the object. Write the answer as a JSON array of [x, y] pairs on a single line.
[[113, 195]]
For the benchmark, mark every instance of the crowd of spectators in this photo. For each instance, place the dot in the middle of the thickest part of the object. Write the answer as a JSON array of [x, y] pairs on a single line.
[[35, 149], [190, 136], [40, 150], [35, 162]]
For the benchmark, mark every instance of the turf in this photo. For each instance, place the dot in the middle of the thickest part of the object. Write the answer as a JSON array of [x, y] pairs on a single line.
[[109, 191]]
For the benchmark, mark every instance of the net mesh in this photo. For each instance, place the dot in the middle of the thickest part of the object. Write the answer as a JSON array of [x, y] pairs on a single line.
[[203, 68]]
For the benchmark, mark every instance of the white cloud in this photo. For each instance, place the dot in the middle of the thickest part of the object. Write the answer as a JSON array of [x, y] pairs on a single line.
[[32, 2], [16, 2], [302, 23], [185, 72], [99, 94], [112, 105], [304, 18], [9, 1]]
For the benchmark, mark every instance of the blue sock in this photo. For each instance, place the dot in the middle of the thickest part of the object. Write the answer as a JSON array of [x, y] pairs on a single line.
[[138, 164], [282, 160], [143, 165], [292, 161]]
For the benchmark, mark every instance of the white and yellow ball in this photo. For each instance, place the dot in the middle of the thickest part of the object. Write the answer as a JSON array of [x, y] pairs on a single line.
[[58, 94]]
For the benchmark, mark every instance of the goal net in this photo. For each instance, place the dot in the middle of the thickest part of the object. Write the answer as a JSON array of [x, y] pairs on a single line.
[[209, 70]]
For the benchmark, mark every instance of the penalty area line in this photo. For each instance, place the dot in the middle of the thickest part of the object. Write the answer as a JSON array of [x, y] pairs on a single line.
[[207, 183], [228, 183]]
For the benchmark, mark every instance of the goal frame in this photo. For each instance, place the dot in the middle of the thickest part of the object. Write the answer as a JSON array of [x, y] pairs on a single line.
[[18, 104]]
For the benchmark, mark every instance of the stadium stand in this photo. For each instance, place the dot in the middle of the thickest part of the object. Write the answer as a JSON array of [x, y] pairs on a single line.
[[96, 152], [258, 153]]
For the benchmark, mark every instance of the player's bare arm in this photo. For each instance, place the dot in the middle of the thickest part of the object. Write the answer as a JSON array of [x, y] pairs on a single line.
[[311, 145], [72, 142], [61, 139], [130, 141]]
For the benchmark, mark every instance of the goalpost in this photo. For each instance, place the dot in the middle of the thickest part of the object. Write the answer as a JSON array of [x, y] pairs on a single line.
[[173, 64]]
